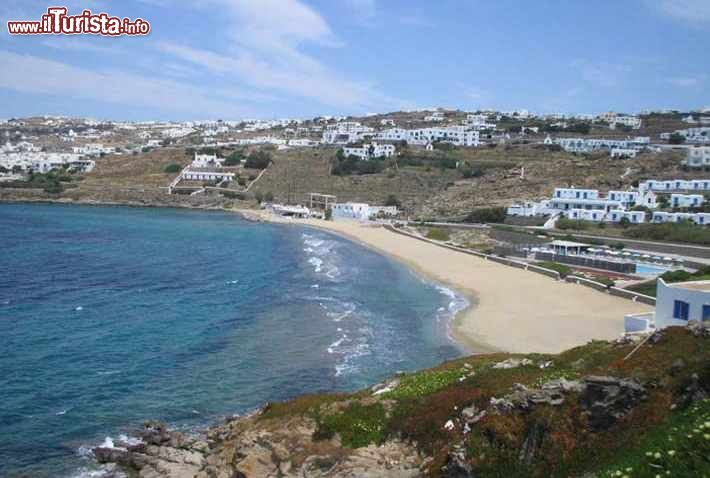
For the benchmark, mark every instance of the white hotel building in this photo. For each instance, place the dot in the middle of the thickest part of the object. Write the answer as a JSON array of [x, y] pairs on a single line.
[[457, 135], [589, 205], [676, 304], [360, 211]]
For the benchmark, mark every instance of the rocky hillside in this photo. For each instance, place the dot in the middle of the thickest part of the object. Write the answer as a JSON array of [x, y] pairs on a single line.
[[589, 412]]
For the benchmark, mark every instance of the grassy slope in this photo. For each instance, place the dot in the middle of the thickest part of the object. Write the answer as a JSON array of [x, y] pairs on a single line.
[[423, 402]]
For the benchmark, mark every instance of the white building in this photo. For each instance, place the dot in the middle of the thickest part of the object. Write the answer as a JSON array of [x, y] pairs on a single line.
[[345, 132], [368, 151], [303, 142], [93, 149], [633, 122], [675, 185], [529, 209], [698, 157], [198, 174], [589, 205], [360, 211], [207, 161], [699, 218], [678, 303], [436, 117], [588, 145], [686, 200]]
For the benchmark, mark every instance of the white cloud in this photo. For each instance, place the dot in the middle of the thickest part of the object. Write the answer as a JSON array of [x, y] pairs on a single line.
[[268, 52], [31, 74], [691, 11], [315, 82]]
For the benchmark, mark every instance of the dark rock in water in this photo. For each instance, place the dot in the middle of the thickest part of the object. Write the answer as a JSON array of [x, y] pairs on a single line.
[[607, 399]]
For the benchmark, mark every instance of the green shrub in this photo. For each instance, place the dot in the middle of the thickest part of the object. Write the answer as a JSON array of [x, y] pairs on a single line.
[[685, 231], [358, 425], [438, 234], [564, 223], [172, 168], [556, 266], [491, 214]]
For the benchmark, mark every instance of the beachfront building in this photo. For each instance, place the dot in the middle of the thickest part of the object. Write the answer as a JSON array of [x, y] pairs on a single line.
[[589, 205], [698, 157], [361, 211], [699, 218], [530, 209], [676, 304], [369, 151]]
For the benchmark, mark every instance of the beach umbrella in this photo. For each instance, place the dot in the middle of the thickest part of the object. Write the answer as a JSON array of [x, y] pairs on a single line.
[[646, 256], [627, 253], [656, 258], [667, 259]]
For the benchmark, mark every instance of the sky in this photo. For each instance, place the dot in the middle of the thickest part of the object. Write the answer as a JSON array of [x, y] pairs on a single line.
[[237, 59]]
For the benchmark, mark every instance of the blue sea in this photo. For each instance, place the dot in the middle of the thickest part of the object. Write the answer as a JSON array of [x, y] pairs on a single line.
[[111, 316]]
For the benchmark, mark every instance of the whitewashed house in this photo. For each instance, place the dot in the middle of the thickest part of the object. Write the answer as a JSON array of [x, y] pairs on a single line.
[[680, 302], [686, 200], [369, 151], [207, 161], [676, 304], [360, 211], [699, 218]]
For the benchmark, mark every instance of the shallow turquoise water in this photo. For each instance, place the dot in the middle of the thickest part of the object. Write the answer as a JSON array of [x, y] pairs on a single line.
[[111, 316]]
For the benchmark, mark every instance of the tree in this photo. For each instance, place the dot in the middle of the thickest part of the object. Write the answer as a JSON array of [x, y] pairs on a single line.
[[624, 222], [172, 168], [234, 159], [258, 160], [392, 201], [269, 196], [259, 197], [676, 138]]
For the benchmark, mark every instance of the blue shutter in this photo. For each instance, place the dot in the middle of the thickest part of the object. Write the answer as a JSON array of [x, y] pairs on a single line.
[[706, 312]]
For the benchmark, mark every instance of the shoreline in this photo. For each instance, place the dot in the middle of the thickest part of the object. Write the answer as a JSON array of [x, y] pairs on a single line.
[[510, 310], [468, 345]]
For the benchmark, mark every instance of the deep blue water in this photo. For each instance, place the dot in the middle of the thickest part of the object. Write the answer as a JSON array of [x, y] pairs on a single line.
[[110, 316]]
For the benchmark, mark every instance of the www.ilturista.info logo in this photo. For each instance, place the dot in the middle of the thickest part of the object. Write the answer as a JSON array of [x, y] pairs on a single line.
[[57, 22]]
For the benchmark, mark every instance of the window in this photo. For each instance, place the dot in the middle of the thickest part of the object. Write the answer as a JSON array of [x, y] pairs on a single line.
[[680, 310], [706, 312]]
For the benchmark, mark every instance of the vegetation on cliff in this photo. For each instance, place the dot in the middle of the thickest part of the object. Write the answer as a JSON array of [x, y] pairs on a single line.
[[592, 411]]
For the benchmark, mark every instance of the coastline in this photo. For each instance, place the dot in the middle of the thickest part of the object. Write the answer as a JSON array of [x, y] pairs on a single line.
[[509, 309]]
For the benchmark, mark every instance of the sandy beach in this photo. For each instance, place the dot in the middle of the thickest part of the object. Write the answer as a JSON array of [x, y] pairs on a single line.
[[512, 310]]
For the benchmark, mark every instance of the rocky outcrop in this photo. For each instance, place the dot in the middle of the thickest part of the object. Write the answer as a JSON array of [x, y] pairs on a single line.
[[607, 399]]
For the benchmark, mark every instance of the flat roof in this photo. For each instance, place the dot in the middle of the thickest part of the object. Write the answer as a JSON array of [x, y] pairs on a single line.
[[568, 244], [693, 285]]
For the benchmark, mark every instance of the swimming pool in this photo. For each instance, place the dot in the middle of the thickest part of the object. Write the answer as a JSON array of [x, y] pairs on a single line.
[[650, 270]]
